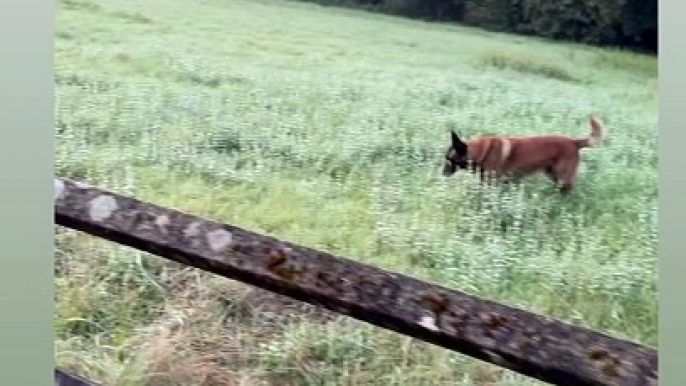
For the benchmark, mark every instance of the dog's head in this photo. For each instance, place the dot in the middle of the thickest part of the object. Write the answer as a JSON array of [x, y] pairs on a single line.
[[456, 156]]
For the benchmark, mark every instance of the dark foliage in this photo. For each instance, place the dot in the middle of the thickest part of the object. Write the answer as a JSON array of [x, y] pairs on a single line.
[[621, 23]]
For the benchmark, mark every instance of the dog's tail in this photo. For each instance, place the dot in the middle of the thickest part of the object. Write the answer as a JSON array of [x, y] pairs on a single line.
[[597, 131]]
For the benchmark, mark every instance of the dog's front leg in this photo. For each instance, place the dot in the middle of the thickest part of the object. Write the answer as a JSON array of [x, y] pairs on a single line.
[[482, 175], [488, 177], [508, 177]]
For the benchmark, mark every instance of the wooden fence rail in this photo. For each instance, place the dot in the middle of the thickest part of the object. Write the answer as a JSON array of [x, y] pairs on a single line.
[[534, 345], [65, 378]]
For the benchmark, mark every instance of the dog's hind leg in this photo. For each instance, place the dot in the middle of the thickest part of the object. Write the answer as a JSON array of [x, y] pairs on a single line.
[[565, 172], [550, 173]]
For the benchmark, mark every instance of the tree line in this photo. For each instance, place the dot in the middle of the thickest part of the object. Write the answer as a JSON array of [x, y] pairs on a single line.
[[620, 23]]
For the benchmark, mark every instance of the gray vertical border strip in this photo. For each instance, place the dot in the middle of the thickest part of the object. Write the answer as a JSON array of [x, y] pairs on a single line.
[[672, 62], [26, 209]]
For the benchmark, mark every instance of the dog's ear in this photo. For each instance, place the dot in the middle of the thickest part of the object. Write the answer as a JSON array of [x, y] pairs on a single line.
[[454, 138], [459, 146]]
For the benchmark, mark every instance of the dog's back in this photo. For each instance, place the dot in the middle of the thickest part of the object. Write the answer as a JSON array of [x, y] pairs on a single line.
[[521, 154], [535, 153]]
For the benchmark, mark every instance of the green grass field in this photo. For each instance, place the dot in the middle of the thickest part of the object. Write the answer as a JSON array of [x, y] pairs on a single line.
[[327, 127]]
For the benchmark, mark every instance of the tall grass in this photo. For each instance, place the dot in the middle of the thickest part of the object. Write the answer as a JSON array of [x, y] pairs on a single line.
[[327, 127]]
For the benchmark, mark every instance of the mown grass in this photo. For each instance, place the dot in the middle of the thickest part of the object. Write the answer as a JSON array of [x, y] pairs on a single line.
[[326, 127]]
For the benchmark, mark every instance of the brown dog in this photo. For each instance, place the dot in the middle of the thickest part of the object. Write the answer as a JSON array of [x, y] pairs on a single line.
[[555, 155]]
